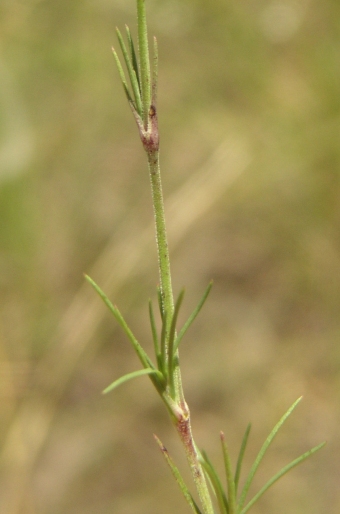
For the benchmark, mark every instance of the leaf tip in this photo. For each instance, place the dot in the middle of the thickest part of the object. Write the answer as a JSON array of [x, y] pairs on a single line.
[[160, 444], [88, 278]]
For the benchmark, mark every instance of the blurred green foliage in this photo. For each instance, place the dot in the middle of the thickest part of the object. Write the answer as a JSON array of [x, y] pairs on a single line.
[[262, 76]]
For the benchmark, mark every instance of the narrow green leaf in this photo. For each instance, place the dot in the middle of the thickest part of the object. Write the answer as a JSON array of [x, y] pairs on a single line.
[[278, 475], [240, 457], [133, 54], [122, 77], [132, 74], [144, 60], [178, 477], [229, 476], [172, 335], [154, 335], [144, 358], [193, 316], [164, 356], [130, 376], [216, 484], [262, 452]]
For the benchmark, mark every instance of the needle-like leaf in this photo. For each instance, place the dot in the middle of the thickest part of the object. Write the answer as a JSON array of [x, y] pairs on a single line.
[[130, 376], [192, 317], [164, 356], [132, 74], [154, 335], [262, 452], [229, 476], [178, 477], [133, 54], [144, 358], [216, 484], [171, 352], [278, 475], [122, 77], [240, 457]]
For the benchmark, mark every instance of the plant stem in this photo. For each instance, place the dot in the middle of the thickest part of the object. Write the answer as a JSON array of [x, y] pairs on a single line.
[[150, 140], [144, 60], [161, 237], [184, 429], [182, 415], [164, 263]]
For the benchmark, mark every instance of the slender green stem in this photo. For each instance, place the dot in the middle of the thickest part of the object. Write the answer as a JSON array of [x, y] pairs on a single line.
[[183, 424], [154, 72], [148, 130], [164, 268], [144, 60], [161, 238]]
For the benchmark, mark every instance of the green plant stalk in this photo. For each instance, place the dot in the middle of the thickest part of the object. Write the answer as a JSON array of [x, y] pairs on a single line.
[[161, 239], [150, 139], [183, 427], [144, 60], [182, 415]]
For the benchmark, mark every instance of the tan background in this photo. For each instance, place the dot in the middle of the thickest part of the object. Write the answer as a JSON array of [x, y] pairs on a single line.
[[249, 109]]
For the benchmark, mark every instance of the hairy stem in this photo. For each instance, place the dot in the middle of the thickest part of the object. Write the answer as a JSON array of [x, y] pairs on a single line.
[[164, 264], [144, 60], [161, 237], [150, 140], [184, 429], [183, 424]]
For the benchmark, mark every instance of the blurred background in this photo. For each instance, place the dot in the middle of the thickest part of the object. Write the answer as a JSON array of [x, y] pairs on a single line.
[[249, 108]]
